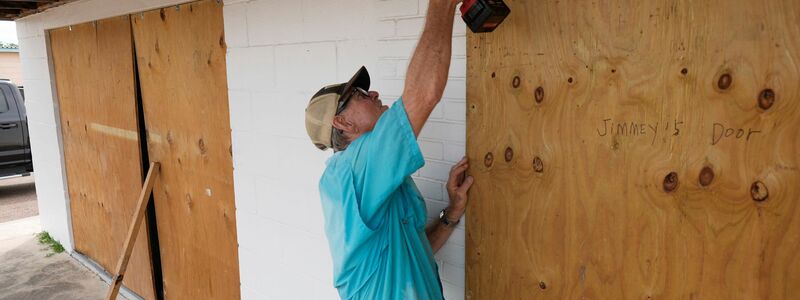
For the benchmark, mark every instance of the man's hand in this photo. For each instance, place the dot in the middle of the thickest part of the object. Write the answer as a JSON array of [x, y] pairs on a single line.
[[457, 186]]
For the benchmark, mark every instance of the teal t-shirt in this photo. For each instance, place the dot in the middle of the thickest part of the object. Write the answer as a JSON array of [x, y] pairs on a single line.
[[375, 216]]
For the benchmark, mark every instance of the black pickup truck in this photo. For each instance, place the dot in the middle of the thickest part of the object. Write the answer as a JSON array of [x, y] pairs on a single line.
[[15, 146]]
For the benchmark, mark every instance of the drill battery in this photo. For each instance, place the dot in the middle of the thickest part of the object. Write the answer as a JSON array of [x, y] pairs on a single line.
[[484, 15]]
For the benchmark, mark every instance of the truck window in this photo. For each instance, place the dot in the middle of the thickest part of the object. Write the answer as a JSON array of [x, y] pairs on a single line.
[[3, 103]]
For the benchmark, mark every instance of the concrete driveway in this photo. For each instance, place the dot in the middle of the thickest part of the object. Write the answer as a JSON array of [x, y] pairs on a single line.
[[17, 198], [28, 270]]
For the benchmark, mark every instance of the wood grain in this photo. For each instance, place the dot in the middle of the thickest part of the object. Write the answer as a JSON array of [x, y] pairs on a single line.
[[93, 66], [581, 211], [181, 60], [133, 231]]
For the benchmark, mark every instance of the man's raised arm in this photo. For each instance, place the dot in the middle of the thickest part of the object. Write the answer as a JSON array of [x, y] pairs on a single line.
[[427, 73]]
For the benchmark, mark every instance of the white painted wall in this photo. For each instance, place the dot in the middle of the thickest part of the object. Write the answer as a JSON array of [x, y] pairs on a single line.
[[280, 53]]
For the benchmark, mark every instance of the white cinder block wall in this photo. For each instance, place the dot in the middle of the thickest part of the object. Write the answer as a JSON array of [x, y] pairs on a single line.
[[279, 54]]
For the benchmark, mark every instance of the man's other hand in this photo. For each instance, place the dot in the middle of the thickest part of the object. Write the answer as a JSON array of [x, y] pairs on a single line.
[[457, 186]]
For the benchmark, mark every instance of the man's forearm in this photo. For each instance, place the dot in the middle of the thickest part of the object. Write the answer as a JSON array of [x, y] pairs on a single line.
[[438, 234], [427, 73]]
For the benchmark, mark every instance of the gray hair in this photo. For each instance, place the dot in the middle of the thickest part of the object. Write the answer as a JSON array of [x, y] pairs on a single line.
[[338, 140]]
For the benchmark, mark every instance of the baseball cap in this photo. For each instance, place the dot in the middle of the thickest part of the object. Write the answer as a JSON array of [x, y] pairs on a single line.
[[324, 104]]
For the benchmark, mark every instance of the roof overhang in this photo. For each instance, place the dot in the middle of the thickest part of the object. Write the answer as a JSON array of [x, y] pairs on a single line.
[[14, 9]]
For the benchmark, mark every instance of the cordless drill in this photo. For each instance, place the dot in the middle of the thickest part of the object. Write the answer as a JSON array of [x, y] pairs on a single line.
[[484, 15]]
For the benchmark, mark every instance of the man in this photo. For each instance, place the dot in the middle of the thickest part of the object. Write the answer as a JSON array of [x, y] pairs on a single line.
[[374, 215]]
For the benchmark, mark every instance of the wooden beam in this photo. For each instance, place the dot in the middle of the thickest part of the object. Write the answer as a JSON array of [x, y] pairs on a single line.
[[34, 1], [133, 230], [18, 5], [4, 11], [43, 5]]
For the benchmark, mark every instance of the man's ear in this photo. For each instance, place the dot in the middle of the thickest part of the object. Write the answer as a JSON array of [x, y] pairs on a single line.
[[341, 123]]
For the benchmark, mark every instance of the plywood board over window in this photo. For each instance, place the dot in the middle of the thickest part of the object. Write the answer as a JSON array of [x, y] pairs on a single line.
[[181, 60], [635, 150], [93, 66]]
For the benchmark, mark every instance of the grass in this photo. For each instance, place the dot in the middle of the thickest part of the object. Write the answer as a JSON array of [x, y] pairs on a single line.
[[45, 239]]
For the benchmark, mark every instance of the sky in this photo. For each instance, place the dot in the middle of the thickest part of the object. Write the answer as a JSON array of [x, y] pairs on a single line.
[[8, 32]]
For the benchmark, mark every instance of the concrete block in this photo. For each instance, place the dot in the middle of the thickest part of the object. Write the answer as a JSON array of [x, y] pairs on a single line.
[[241, 110], [458, 67], [430, 190], [274, 22], [452, 254], [309, 255], [40, 112], [28, 27], [396, 48], [235, 18], [251, 294], [39, 90], [384, 29], [281, 202], [326, 291], [453, 274], [431, 149], [320, 24], [32, 47], [280, 114], [453, 132], [410, 26], [395, 8], [351, 55], [402, 67], [455, 111], [251, 68], [452, 291], [435, 170], [459, 46], [456, 89], [387, 69], [45, 144], [244, 189], [35, 68], [438, 112], [388, 86], [305, 67], [459, 27], [453, 152]]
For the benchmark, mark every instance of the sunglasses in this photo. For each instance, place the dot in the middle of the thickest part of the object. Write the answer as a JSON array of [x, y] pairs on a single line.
[[356, 90]]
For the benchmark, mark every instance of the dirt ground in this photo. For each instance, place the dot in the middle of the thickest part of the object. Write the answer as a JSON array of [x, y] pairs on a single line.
[[26, 272], [17, 198]]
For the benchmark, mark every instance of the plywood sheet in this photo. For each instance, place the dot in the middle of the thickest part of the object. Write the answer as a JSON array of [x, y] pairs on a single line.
[[635, 150], [181, 59], [93, 66]]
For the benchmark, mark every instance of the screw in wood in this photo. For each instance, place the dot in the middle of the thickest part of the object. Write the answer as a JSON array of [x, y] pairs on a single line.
[[706, 176], [759, 191], [724, 81], [493, 75], [509, 154], [766, 98], [542, 285], [538, 94], [515, 82], [488, 159], [670, 182], [684, 71], [538, 166], [569, 80]]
